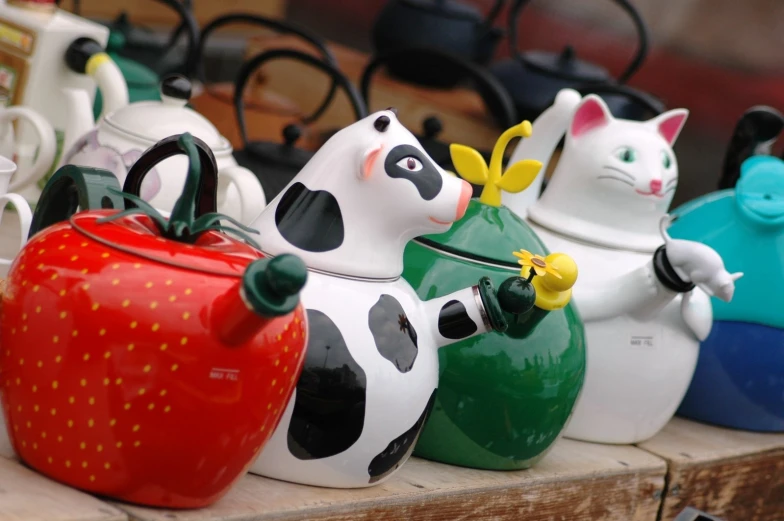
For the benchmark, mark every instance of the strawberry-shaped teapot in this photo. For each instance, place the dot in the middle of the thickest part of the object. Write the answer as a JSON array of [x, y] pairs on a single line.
[[146, 359], [371, 370]]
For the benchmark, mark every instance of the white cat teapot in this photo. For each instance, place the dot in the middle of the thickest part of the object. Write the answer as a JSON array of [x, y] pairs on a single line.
[[121, 137], [643, 297]]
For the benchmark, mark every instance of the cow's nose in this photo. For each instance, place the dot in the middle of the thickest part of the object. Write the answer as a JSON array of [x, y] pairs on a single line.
[[465, 196], [656, 185]]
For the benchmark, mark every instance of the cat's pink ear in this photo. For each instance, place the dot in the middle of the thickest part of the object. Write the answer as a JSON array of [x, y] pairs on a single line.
[[670, 124], [591, 114]]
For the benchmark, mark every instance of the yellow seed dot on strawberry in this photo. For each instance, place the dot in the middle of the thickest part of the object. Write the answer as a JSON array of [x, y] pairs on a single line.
[[90, 422], [296, 355], [167, 408], [102, 332], [54, 384], [57, 359], [277, 363], [74, 333], [85, 286], [156, 326], [168, 282], [84, 464], [53, 411], [95, 306], [174, 367], [274, 381], [285, 349], [59, 439], [49, 459], [74, 257], [71, 399], [118, 444], [99, 448], [153, 305], [67, 463], [127, 406], [186, 316], [106, 381], [83, 244], [39, 363], [84, 271], [54, 276], [172, 298], [126, 303], [269, 406], [137, 265], [151, 406], [62, 292], [83, 382], [36, 408], [91, 401], [148, 285], [37, 309], [104, 255], [130, 347], [63, 314], [24, 316], [43, 434], [136, 443], [134, 324], [55, 339], [112, 422], [35, 388], [184, 340], [115, 282], [82, 445], [61, 247], [115, 266], [86, 357], [118, 381], [107, 354], [136, 428], [107, 466], [142, 391], [24, 328], [188, 291], [163, 392], [92, 477]]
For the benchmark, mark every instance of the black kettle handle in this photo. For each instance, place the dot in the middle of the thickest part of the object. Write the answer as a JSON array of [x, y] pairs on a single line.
[[494, 95], [207, 199], [73, 187], [754, 134], [634, 14], [647, 101], [250, 66], [190, 26], [280, 27]]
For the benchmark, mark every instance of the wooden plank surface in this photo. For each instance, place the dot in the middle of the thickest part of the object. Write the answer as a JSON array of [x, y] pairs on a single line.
[[28, 496], [731, 474], [577, 482]]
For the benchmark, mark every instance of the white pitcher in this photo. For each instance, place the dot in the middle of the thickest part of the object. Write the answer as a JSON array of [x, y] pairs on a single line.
[[33, 161], [23, 211]]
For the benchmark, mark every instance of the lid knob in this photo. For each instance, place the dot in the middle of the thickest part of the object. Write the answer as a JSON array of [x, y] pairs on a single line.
[[291, 133], [567, 56], [432, 127], [176, 89]]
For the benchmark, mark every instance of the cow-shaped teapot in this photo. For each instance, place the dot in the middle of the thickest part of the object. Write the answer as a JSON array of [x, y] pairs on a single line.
[[644, 297], [371, 368]]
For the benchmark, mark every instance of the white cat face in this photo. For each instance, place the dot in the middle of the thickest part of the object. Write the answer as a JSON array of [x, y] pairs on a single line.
[[626, 163]]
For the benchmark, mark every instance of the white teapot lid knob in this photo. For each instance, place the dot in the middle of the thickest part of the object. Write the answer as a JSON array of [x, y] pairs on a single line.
[[176, 89]]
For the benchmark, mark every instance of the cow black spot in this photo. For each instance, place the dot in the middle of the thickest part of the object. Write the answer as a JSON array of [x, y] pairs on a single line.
[[396, 339], [311, 220], [399, 449], [329, 411], [428, 180], [454, 322]]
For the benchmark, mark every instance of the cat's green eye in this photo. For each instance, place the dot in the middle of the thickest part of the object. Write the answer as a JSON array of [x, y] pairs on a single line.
[[626, 154], [666, 161]]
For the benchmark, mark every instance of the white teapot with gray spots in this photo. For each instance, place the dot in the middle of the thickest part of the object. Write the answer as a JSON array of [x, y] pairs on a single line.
[[371, 369]]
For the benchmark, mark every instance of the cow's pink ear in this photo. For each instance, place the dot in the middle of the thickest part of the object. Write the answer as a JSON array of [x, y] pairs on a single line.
[[369, 158], [591, 114], [670, 124]]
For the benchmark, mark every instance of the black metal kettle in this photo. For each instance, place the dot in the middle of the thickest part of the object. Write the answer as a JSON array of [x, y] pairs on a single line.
[[276, 164], [445, 25], [755, 133], [533, 78], [497, 101]]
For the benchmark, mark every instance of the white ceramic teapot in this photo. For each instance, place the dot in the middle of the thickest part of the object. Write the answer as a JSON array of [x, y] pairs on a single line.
[[23, 212], [120, 138], [643, 297]]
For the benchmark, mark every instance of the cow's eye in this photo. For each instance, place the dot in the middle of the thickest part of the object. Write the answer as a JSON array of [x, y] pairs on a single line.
[[410, 163]]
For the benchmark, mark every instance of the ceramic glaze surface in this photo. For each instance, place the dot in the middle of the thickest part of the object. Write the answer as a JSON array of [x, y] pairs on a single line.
[[741, 363], [606, 207], [503, 399], [372, 370]]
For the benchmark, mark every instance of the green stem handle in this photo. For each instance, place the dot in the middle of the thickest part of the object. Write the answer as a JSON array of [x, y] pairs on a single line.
[[71, 188], [207, 195]]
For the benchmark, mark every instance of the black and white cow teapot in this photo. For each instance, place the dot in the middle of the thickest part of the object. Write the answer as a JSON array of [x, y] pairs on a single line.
[[371, 369]]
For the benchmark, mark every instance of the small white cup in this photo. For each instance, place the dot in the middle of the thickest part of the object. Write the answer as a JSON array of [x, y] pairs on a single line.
[[25, 214]]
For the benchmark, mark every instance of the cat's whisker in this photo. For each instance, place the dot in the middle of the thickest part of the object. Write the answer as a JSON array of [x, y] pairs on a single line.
[[621, 179], [614, 169], [672, 181]]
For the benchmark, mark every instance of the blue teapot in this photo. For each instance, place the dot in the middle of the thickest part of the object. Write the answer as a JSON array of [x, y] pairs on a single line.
[[739, 380]]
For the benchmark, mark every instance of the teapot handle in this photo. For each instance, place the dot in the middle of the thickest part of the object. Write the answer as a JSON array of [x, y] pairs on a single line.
[[634, 14], [207, 198], [277, 26], [647, 101], [494, 95], [250, 66], [71, 188], [755, 133]]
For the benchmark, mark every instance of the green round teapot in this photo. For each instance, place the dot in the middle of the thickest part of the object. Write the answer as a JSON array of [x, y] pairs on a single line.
[[503, 399]]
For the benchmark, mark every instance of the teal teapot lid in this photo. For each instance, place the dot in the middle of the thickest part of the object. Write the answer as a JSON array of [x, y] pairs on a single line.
[[745, 226], [490, 232]]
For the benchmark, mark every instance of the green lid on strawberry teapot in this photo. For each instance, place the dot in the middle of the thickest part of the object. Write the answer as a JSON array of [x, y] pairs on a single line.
[[490, 232]]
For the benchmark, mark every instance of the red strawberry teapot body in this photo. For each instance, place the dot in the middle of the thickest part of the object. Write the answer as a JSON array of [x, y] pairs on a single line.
[[146, 359]]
